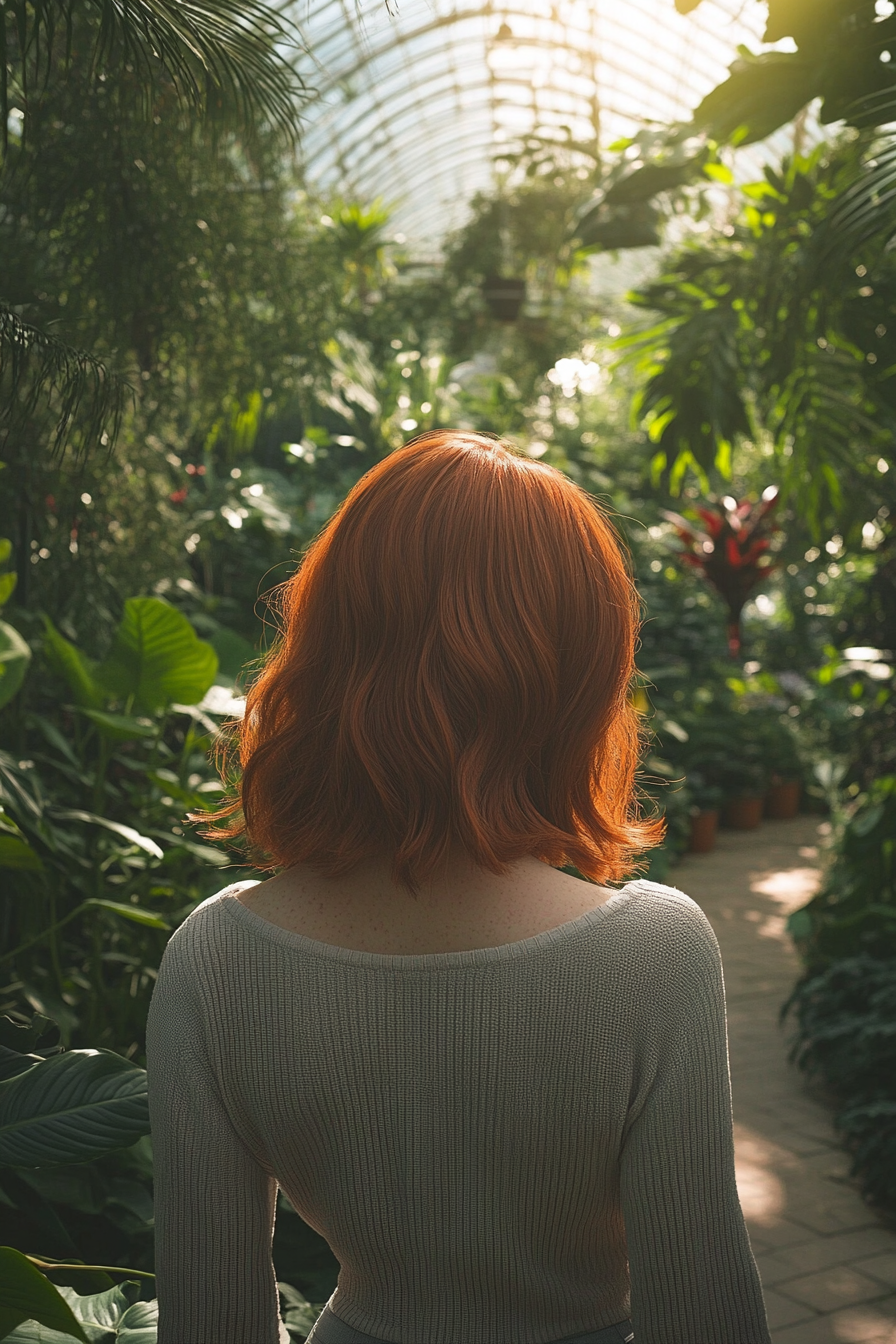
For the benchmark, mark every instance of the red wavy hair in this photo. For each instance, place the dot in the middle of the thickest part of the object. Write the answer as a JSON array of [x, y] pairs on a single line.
[[454, 665]]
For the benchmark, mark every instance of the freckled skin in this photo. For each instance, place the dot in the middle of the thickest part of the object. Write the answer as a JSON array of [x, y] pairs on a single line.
[[462, 907]]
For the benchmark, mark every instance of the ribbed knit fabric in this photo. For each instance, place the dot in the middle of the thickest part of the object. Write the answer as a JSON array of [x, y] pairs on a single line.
[[502, 1146]]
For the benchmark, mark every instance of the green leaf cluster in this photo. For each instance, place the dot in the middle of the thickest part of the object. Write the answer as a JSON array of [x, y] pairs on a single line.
[[768, 335]]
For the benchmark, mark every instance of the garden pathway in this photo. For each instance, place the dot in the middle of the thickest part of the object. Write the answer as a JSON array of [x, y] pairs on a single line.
[[828, 1266]]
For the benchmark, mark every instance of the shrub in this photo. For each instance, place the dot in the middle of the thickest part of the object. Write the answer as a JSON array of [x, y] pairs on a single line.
[[845, 1004]]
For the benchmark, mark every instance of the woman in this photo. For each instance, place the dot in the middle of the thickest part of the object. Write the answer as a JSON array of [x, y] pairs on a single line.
[[500, 1093]]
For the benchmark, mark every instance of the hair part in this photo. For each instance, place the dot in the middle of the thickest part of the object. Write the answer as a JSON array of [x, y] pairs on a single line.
[[455, 660]]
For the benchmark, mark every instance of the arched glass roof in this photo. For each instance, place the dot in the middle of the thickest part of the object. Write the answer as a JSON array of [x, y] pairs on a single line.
[[415, 107]]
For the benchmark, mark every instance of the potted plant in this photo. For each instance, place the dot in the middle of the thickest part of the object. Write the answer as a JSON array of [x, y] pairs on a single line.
[[706, 800], [732, 552], [723, 760], [744, 784], [782, 761]]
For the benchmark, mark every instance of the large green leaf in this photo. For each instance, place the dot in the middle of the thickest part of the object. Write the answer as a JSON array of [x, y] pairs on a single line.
[[611, 227], [761, 93], [115, 1316], [77, 669], [132, 912], [17, 853], [157, 657], [15, 655], [28, 1295], [7, 585], [72, 1107], [126, 832], [646, 182], [119, 727]]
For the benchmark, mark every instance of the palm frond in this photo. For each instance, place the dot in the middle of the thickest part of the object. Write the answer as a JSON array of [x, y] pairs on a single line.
[[38, 368], [221, 55], [867, 208]]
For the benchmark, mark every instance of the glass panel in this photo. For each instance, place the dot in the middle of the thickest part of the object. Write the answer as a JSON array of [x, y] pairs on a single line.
[[415, 108]]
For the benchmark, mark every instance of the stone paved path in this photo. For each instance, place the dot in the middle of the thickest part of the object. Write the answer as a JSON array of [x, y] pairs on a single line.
[[828, 1266]]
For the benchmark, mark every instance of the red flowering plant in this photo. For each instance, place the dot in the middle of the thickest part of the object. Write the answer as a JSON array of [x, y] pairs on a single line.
[[732, 553]]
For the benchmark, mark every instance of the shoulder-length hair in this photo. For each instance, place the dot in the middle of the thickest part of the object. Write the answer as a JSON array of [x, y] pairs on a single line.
[[454, 666]]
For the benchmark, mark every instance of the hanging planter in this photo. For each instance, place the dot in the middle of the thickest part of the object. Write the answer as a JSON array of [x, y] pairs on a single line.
[[504, 296], [732, 553]]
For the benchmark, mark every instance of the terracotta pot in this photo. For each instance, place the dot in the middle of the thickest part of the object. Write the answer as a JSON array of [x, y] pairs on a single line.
[[783, 800], [703, 831], [742, 814]]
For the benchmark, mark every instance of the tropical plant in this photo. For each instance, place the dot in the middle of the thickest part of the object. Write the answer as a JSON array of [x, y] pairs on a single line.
[[216, 294], [15, 652], [846, 1038], [854, 913], [214, 59], [221, 58], [62, 1113], [732, 553], [841, 56], [129, 744], [764, 337]]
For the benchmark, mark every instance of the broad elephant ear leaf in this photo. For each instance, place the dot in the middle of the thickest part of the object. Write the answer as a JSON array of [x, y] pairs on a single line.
[[72, 1107], [114, 1314], [157, 657], [77, 669], [27, 1296]]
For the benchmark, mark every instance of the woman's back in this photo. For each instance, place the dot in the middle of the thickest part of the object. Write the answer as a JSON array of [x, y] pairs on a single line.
[[506, 1104], [491, 1140], [463, 907]]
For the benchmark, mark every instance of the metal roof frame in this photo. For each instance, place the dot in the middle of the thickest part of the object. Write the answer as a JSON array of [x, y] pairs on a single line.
[[505, 68]]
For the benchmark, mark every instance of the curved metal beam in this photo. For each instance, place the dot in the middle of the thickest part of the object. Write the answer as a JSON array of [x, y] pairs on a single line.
[[400, 123]]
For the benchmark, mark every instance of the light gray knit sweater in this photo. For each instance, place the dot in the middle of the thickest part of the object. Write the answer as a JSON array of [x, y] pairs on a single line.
[[502, 1146]]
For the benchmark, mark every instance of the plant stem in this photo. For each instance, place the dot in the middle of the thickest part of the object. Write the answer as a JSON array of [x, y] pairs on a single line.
[[69, 1264]]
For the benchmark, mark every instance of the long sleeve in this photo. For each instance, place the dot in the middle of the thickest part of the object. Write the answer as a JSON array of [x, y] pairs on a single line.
[[215, 1205], [693, 1276]]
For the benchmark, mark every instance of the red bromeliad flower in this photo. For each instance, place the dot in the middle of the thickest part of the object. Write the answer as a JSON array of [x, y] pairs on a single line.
[[732, 554]]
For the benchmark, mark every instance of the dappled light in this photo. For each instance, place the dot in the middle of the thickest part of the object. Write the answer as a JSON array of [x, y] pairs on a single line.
[[758, 1164]]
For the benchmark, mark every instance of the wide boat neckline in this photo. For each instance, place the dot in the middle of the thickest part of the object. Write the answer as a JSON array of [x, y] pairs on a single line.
[[476, 956]]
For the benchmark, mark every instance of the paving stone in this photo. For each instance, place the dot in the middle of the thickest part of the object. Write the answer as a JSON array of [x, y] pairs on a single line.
[[832, 1164], [881, 1267], [779, 1233], [866, 1325], [837, 1286], [783, 1311], [833, 1330], [827, 1264], [830, 1210], [870, 1246]]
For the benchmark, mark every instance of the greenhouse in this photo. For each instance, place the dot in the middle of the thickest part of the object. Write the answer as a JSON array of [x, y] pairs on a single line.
[[447, 646]]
